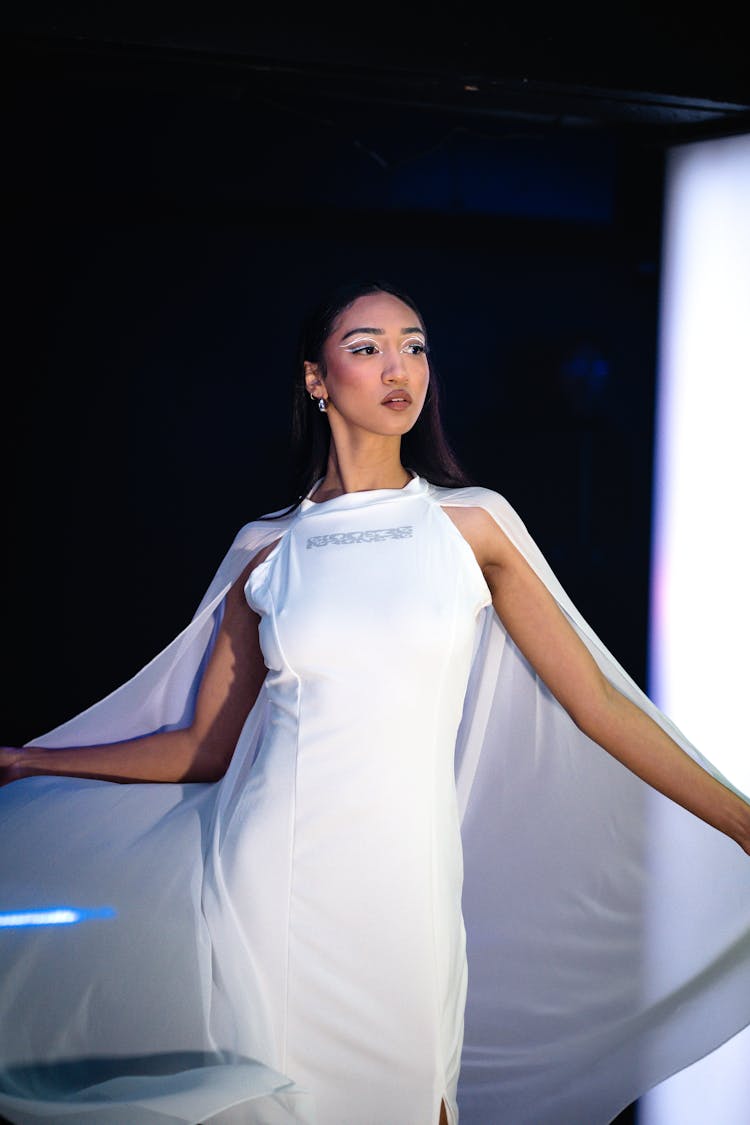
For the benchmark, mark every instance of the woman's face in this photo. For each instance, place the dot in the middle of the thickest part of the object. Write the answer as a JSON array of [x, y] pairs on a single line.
[[376, 370]]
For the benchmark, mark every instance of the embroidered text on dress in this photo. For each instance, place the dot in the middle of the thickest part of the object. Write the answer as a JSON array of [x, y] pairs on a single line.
[[342, 538]]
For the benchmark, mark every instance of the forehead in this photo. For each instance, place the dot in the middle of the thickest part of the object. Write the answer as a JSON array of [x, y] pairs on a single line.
[[377, 310]]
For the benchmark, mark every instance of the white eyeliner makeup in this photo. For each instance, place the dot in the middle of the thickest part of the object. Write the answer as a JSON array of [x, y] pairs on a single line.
[[365, 341], [358, 343]]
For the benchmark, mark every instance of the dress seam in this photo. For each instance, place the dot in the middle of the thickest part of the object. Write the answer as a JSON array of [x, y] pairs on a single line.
[[438, 977], [273, 618], [292, 850]]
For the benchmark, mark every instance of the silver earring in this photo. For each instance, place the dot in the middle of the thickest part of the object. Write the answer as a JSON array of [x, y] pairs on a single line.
[[323, 405]]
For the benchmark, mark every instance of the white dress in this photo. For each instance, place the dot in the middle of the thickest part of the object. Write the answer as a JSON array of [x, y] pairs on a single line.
[[369, 608], [288, 944]]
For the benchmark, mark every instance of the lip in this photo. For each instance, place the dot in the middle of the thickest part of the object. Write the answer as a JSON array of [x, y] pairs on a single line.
[[397, 400]]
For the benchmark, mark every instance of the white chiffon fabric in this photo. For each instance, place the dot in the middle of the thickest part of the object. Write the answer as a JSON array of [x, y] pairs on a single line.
[[576, 1002]]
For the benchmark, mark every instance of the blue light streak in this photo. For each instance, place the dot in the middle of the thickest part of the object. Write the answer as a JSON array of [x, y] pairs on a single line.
[[53, 916]]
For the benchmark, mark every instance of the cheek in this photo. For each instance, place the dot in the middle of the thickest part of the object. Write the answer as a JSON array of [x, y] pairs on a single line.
[[349, 378], [343, 373], [349, 390]]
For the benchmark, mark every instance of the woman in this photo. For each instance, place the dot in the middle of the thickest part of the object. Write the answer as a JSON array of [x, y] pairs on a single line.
[[381, 670]]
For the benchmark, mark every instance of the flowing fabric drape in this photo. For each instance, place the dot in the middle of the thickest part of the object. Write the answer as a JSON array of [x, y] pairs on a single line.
[[577, 1003]]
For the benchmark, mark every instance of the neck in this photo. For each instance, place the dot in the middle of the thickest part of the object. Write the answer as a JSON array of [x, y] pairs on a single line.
[[362, 466]]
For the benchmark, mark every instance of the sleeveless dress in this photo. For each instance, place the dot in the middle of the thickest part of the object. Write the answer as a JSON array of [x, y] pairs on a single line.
[[369, 607], [289, 946]]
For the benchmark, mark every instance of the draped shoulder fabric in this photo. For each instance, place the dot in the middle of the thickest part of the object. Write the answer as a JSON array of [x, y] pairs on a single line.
[[577, 1002]]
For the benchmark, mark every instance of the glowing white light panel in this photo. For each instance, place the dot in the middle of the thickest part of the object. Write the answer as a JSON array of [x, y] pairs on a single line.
[[700, 616], [52, 916]]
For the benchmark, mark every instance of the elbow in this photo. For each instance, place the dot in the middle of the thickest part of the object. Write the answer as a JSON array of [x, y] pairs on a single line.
[[211, 761], [205, 762], [215, 770], [207, 767], [594, 714]]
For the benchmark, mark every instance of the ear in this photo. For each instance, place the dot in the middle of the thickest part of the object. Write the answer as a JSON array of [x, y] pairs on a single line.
[[313, 380]]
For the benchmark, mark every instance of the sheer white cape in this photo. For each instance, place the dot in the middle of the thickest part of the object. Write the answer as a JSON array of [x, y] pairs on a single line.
[[578, 1002]]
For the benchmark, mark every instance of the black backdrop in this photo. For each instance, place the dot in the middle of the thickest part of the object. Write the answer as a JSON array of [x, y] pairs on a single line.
[[164, 247]]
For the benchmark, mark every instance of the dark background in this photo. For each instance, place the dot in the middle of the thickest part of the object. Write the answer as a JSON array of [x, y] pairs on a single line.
[[180, 185]]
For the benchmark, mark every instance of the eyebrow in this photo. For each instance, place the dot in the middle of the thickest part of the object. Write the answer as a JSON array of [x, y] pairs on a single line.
[[380, 332]]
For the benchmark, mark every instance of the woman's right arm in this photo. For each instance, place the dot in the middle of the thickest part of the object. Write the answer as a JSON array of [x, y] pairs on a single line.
[[200, 752]]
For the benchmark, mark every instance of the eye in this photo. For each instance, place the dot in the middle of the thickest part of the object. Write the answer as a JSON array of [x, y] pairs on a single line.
[[364, 349], [415, 347]]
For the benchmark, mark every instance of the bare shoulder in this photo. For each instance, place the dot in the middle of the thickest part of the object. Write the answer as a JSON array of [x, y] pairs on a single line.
[[261, 556], [486, 538], [236, 595]]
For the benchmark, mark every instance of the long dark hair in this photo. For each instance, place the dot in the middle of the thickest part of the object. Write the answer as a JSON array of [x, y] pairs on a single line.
[[424, 448]]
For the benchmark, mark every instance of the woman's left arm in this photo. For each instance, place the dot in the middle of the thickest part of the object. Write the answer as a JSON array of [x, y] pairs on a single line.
[[544, 635]]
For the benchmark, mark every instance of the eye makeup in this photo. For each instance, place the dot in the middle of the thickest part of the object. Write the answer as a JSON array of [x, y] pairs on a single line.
[[367, 341], [350, 345], [419, 341]]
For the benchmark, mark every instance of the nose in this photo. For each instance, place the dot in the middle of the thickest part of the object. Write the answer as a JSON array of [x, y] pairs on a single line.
[[394, 367]]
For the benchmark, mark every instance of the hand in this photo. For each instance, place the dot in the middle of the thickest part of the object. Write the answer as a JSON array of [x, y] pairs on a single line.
[[11, 767]]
